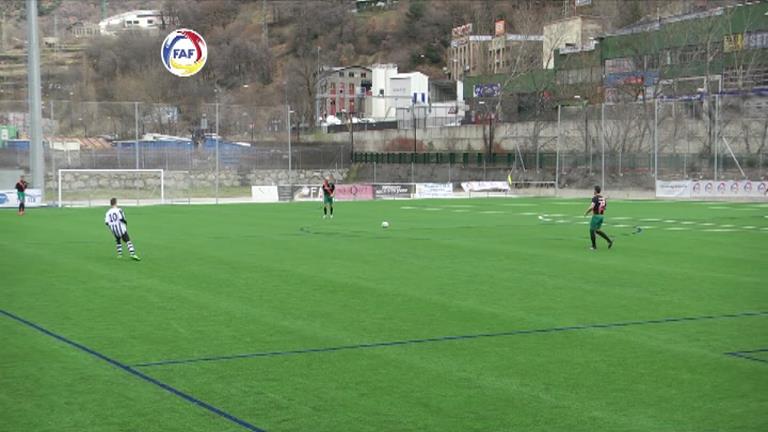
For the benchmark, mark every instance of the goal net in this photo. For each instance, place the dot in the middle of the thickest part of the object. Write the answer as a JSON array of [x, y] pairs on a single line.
[[94, 187]]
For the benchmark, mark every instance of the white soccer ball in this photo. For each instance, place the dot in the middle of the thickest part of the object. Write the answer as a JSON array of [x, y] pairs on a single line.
[[385, 224]]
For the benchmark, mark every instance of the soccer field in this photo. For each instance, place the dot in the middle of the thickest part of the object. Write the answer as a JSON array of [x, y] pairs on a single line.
[[464, 315]]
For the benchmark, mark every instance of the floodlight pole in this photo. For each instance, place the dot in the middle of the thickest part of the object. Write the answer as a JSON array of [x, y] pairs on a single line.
[[715, 142], [602, 143], [413, 118], [557, 152], [36, 161], [136, 130], [217, 152], [290, 161], [656, 138]]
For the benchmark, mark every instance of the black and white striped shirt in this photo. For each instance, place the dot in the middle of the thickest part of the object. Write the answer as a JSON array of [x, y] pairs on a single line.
[[115, 220]]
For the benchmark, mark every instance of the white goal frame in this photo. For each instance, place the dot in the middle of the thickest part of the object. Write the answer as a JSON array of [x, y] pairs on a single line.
[[162, 178]]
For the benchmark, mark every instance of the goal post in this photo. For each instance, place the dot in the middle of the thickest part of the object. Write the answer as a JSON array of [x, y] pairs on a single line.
[[83, 186]]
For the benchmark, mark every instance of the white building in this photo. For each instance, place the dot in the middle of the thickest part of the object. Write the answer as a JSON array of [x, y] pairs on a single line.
[[133, 20], [409, 88], [381, 73]]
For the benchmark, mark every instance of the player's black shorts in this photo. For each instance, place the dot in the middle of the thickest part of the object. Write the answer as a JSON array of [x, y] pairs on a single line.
[[123, 237]]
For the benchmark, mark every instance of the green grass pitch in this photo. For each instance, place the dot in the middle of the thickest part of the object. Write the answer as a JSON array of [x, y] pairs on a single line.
[[464, 315]]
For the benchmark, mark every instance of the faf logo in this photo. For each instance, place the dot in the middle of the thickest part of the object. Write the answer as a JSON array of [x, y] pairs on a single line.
[[184, 52]]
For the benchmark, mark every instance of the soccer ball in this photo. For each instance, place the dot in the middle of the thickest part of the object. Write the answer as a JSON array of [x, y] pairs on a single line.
[[385, 224]]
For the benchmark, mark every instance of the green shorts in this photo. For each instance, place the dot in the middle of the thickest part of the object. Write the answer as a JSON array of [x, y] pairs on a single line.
[[596, 222], [327, 200], [21, 196]]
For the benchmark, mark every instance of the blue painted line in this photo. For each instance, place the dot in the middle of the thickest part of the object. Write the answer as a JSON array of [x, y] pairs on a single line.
[[185, 396], [447, 338], [750, 351], [745, 355]]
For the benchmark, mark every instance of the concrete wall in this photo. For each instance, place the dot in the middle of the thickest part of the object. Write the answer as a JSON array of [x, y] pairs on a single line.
[[176, 180], [631, 135]]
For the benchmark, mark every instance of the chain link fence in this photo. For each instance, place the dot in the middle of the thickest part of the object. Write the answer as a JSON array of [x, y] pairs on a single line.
[[211, 151], [219, 151]]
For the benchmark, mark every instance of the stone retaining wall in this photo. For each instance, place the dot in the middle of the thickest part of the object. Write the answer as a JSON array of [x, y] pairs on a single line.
[[78, 181]]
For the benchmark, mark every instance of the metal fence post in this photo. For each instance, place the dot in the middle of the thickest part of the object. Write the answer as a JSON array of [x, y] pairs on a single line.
[[557, 152], [217, 152], [655, 138], [602, 144], [715, 143], [290, 167], [136, 130]]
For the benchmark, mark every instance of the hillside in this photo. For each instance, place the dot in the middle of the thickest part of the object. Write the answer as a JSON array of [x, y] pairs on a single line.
[[262, 52]]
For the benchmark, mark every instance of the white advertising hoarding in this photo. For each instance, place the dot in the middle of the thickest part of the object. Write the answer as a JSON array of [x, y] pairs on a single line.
[[34, 198], [434, 190], [673, 189], [264, 194], [729, 189], [712, 189], [485, 186]]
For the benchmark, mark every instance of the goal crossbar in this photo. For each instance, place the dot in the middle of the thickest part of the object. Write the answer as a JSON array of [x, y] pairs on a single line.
[[160, 171]]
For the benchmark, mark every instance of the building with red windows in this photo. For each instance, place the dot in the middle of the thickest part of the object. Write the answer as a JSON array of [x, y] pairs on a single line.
[[342, 91]]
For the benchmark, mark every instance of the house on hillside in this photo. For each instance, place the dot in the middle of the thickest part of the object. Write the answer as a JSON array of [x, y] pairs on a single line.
[[149, 20], [342, 90]]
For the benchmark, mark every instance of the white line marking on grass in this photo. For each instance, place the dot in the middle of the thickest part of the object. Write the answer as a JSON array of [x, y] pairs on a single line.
[[670, 221], [561, 221], [727, 226], [554, 215], [651, 220], [749, 227], [619, 226], [528, 214], [720, 230], [676, 228], [432, 208], [459, 205], [720, 208], [519, 205], [621, 218], [687, 222], [407, 208], [764, 229], [583, 223], [491, 212], [460, 211], [707, 224], [647, 227]]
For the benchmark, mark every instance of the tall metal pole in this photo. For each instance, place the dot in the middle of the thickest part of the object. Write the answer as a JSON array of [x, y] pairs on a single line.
[[602, 143], [317, 89], [655, 138], [413, 118], [51, 150], [290, 160], [557, 152], [36, 161], [136, 130], [715, 143], [217, 152]]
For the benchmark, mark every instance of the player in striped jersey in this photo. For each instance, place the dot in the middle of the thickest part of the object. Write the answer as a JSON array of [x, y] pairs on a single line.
[[115, 220]]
